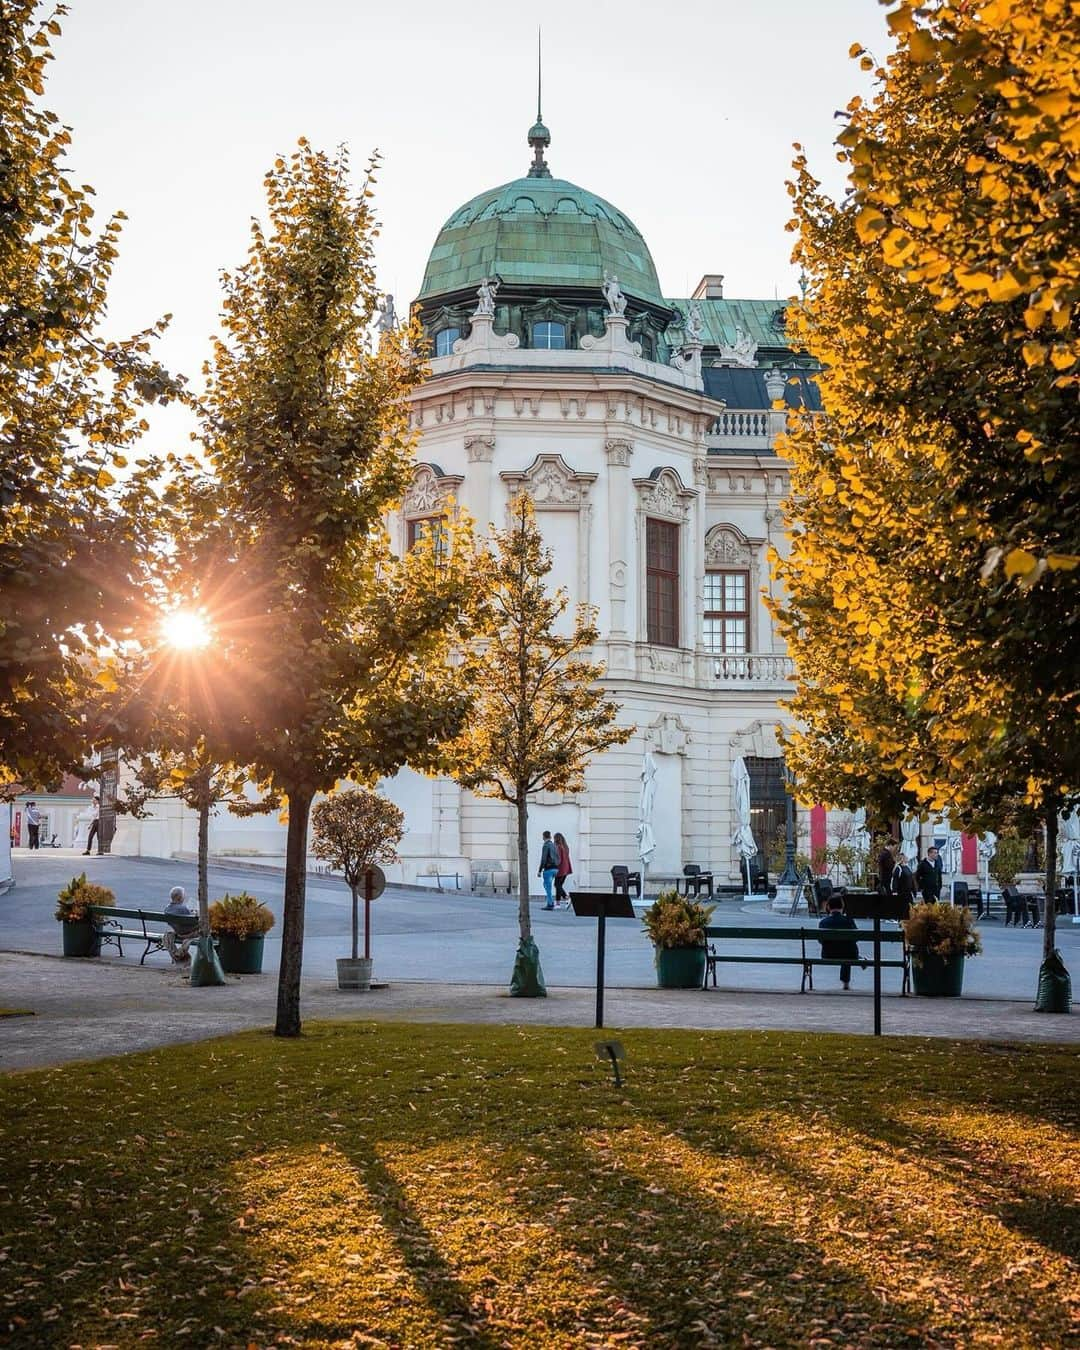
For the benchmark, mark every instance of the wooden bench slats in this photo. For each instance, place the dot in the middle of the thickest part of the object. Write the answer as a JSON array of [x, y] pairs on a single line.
[[110, 931]]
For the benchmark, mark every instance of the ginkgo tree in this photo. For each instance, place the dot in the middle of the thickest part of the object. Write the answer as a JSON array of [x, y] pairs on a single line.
[[541, 713], [931, 582], [332, 658], [76, 544]]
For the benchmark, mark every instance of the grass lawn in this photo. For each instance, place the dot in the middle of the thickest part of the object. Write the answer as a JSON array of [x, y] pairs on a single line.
[[410, 1185]]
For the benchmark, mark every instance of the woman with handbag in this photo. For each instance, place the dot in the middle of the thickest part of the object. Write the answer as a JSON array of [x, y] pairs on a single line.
[[565, 867]]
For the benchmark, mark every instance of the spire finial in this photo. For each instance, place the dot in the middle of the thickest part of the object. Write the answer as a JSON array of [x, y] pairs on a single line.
[[539, 136]]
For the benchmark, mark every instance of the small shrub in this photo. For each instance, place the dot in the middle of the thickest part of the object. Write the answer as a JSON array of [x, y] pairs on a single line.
[[941, 930], [674, 920], [240, 916], [74, 901]]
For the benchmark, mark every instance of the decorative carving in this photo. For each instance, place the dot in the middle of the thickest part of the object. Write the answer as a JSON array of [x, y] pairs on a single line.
[[664, 662], [550, 481], [726, 547], [695, 326], [668, 735], [688, 361], [701, 473], [618, 453], [663, 494], [479, 448], [742, 352], [427, 493], [617, 573]]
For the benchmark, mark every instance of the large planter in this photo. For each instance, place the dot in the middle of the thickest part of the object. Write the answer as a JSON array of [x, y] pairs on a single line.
[[354, 974], [680, 967], [936, 976], [240, 956], [80, 938]]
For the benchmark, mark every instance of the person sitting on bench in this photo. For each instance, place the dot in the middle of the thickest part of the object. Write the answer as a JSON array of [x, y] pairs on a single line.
[[178, 903], [839, 950]]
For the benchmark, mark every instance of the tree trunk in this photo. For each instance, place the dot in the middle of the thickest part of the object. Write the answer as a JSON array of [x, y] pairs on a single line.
[[204, 851], [292, 926], [524, 915], [1050, 916], [355, 923]]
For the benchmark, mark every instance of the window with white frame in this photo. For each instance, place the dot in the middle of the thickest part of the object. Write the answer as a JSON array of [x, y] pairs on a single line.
[[727, 611], [414, 532], [444, 341], [549, 336]]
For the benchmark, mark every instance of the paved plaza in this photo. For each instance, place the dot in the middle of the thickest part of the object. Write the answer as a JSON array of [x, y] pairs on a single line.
[[447, 957]]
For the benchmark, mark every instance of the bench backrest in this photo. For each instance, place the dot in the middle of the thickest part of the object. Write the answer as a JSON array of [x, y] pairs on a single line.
[[180, 923], [803, 934]]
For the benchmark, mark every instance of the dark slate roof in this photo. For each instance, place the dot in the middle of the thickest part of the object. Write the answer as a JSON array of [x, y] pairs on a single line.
[[740, 388]]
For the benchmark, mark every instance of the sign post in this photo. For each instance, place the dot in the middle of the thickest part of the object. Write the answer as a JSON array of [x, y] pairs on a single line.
[[871, 905], [601, 905], [374, 885]]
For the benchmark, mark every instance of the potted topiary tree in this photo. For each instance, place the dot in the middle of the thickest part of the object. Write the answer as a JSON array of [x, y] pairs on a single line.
[[676, 927], [239, 923], [353, 830], [940, 937], [73, 903]]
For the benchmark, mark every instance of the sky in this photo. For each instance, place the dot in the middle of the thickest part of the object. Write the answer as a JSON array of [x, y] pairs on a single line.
[[682, 114]]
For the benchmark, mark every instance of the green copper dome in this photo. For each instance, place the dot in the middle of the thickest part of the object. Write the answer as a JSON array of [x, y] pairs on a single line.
[[540, 232]]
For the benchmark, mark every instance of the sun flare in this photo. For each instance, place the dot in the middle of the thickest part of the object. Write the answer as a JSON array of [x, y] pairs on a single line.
[[185, 630]]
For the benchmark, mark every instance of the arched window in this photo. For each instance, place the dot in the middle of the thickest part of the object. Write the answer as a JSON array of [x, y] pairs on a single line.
[[549, 336], [444, 341]]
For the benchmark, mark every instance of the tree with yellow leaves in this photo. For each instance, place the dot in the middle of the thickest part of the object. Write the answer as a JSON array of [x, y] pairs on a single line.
[[935, 514], [75, 542]]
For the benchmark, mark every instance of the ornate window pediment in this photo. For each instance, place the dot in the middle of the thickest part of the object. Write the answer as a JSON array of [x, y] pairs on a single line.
[[663, 495], [551, 482], [727, 546], [428, 491]]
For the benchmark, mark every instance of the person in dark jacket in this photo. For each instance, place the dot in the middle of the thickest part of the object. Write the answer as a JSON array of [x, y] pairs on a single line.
[[837, 949], [928, 876], [903, 883], [886, 865]]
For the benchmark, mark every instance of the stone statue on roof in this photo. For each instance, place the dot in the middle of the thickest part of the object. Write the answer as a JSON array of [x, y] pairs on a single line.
[[695, 326], [387, 317], [613, 294], [486, 296], [742, 352]]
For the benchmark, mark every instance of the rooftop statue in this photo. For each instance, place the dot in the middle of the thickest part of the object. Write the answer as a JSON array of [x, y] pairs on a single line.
[[695, 327], [486, 295], [613, 294], [387, 317], [742, 352]]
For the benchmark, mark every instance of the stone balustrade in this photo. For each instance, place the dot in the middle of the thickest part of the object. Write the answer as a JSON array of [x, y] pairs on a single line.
[[736, 429], [752, 668]]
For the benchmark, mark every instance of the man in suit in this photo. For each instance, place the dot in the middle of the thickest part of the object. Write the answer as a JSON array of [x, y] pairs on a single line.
[[903, 883], [928, 876]]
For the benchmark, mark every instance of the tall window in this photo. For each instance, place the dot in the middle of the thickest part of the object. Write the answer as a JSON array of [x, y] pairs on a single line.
[[662, 582], [414, 532], [549, 336], [444, 341], [727, 611]]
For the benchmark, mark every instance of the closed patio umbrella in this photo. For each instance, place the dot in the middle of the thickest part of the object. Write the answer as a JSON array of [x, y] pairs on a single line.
[[646, 837], [743, 838]]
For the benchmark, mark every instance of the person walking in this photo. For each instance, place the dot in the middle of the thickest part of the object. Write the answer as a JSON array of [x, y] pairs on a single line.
[[95, 825], [549, 865], [33, 825], [565, 867], [928, 876], [834, 949]]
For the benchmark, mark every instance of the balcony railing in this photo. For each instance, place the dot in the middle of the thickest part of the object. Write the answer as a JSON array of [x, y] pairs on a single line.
[[736, 429], [752, 668]]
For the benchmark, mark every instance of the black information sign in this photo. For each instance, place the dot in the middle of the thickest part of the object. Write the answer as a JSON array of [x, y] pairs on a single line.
[[601, 906], [874, 905]]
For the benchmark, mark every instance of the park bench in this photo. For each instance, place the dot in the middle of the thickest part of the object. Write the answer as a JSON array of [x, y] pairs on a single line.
[[491, 872], [173, 933], [804, 950]]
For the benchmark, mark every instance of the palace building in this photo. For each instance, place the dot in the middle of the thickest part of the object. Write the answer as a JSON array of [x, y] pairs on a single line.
[[644, 427]]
